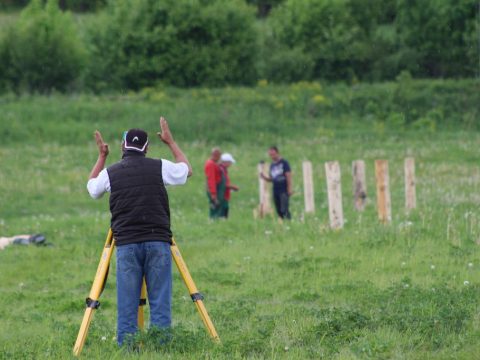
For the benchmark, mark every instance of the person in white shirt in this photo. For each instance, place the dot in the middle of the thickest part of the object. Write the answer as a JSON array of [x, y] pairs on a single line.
[[140, 224]]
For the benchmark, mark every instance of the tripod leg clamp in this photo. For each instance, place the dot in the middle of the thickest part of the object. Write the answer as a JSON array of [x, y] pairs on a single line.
[[196, 296], [92, 303]]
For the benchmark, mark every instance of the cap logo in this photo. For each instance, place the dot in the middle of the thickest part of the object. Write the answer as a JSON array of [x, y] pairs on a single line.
[[136, 140]]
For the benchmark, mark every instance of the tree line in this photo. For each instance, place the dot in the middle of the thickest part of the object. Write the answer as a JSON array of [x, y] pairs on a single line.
[[132, 44]]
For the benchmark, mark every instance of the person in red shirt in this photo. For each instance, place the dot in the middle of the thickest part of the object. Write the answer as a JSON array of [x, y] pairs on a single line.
[[226, 161], [215, 191]]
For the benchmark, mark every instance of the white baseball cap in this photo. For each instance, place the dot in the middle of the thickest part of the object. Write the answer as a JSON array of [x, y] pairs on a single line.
[[227, 157]]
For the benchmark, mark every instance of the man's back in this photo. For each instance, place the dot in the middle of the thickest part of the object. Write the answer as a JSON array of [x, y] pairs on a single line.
[[138, 201], [140, 223]]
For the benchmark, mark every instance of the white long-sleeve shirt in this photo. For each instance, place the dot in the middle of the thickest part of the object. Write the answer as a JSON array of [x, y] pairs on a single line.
[[172, 174]]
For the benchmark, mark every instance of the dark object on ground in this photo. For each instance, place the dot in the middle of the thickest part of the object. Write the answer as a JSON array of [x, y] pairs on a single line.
[[36, 239]]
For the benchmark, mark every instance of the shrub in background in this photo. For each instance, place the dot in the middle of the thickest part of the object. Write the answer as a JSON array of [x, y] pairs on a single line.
[[378, 39], [82, 5], [285, 65], [439, 37], [41, 51], [140, 43], [264, 6], [325, 30], [12, 4], [279, 63]]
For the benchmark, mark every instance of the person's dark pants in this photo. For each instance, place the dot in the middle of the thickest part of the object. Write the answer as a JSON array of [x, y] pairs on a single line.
[[281, 205], [224, 209], [215, 209], [134, 261]]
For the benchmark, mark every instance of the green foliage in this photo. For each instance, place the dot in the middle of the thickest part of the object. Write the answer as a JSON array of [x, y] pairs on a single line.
[[280, 64], [374, 40], [135, 44], [82, 5], [41, 51], [327, 32], [73, 5], [439, 38], [139, 43], [12, 4], [264, 6]]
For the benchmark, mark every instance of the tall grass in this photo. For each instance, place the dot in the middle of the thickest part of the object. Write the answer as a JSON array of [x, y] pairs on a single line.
[[266, 113], [294, 290]]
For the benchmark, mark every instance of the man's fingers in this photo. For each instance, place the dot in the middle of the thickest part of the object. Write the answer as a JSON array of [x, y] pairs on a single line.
[[163, 124], [98, 138]]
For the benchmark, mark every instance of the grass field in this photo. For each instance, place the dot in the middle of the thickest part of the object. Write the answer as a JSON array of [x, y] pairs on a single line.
[[297, 290]]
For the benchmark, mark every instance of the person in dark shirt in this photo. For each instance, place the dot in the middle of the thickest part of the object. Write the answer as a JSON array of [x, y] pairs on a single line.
[[281, 177]]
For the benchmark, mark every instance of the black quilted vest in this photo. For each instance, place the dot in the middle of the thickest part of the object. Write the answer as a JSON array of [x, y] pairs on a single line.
[[138, 200]]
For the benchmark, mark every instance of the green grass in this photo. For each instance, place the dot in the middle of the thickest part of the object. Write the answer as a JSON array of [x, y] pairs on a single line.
[[295, 290]]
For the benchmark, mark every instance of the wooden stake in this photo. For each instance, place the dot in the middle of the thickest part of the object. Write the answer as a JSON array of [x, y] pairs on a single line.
[[265, 206], [334, 187], [359, 185], [383, 191], [410, 193], [308, 187]]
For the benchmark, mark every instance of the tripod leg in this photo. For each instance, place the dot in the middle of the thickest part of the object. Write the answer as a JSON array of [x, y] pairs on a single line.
[[193, 291], [95, 292], [143, 302]]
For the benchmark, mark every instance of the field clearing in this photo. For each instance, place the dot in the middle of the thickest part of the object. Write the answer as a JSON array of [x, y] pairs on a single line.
[[296, 290]]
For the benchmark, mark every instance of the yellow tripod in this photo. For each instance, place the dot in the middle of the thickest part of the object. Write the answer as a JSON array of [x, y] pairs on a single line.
[[101, 278]]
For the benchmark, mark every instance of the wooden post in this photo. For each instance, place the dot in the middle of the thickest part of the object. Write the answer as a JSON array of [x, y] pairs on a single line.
[[308, 187], [410, 193], [265, 206], [383, 191], [334, 187], [359, 184]]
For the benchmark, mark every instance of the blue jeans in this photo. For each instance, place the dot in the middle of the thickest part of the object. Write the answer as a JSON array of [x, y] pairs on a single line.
[[281, 205], [134, 261]]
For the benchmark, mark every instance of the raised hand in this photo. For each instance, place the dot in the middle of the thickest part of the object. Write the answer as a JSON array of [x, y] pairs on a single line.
[[102, 147], [165, 135]]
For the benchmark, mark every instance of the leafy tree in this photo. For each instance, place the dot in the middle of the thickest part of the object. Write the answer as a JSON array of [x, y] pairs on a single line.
[[327, 32], [6, 4], [82, 5], [140, 43], [41, 51], [264, 6], [438, 37]]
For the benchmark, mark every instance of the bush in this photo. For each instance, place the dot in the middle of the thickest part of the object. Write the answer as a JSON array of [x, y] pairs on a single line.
[[288, 66], [82, 5], [326, 31], [440, 37], [12, 4], [278, 63], [378, 39], [264, 6], [41, 51], [140, 43]]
